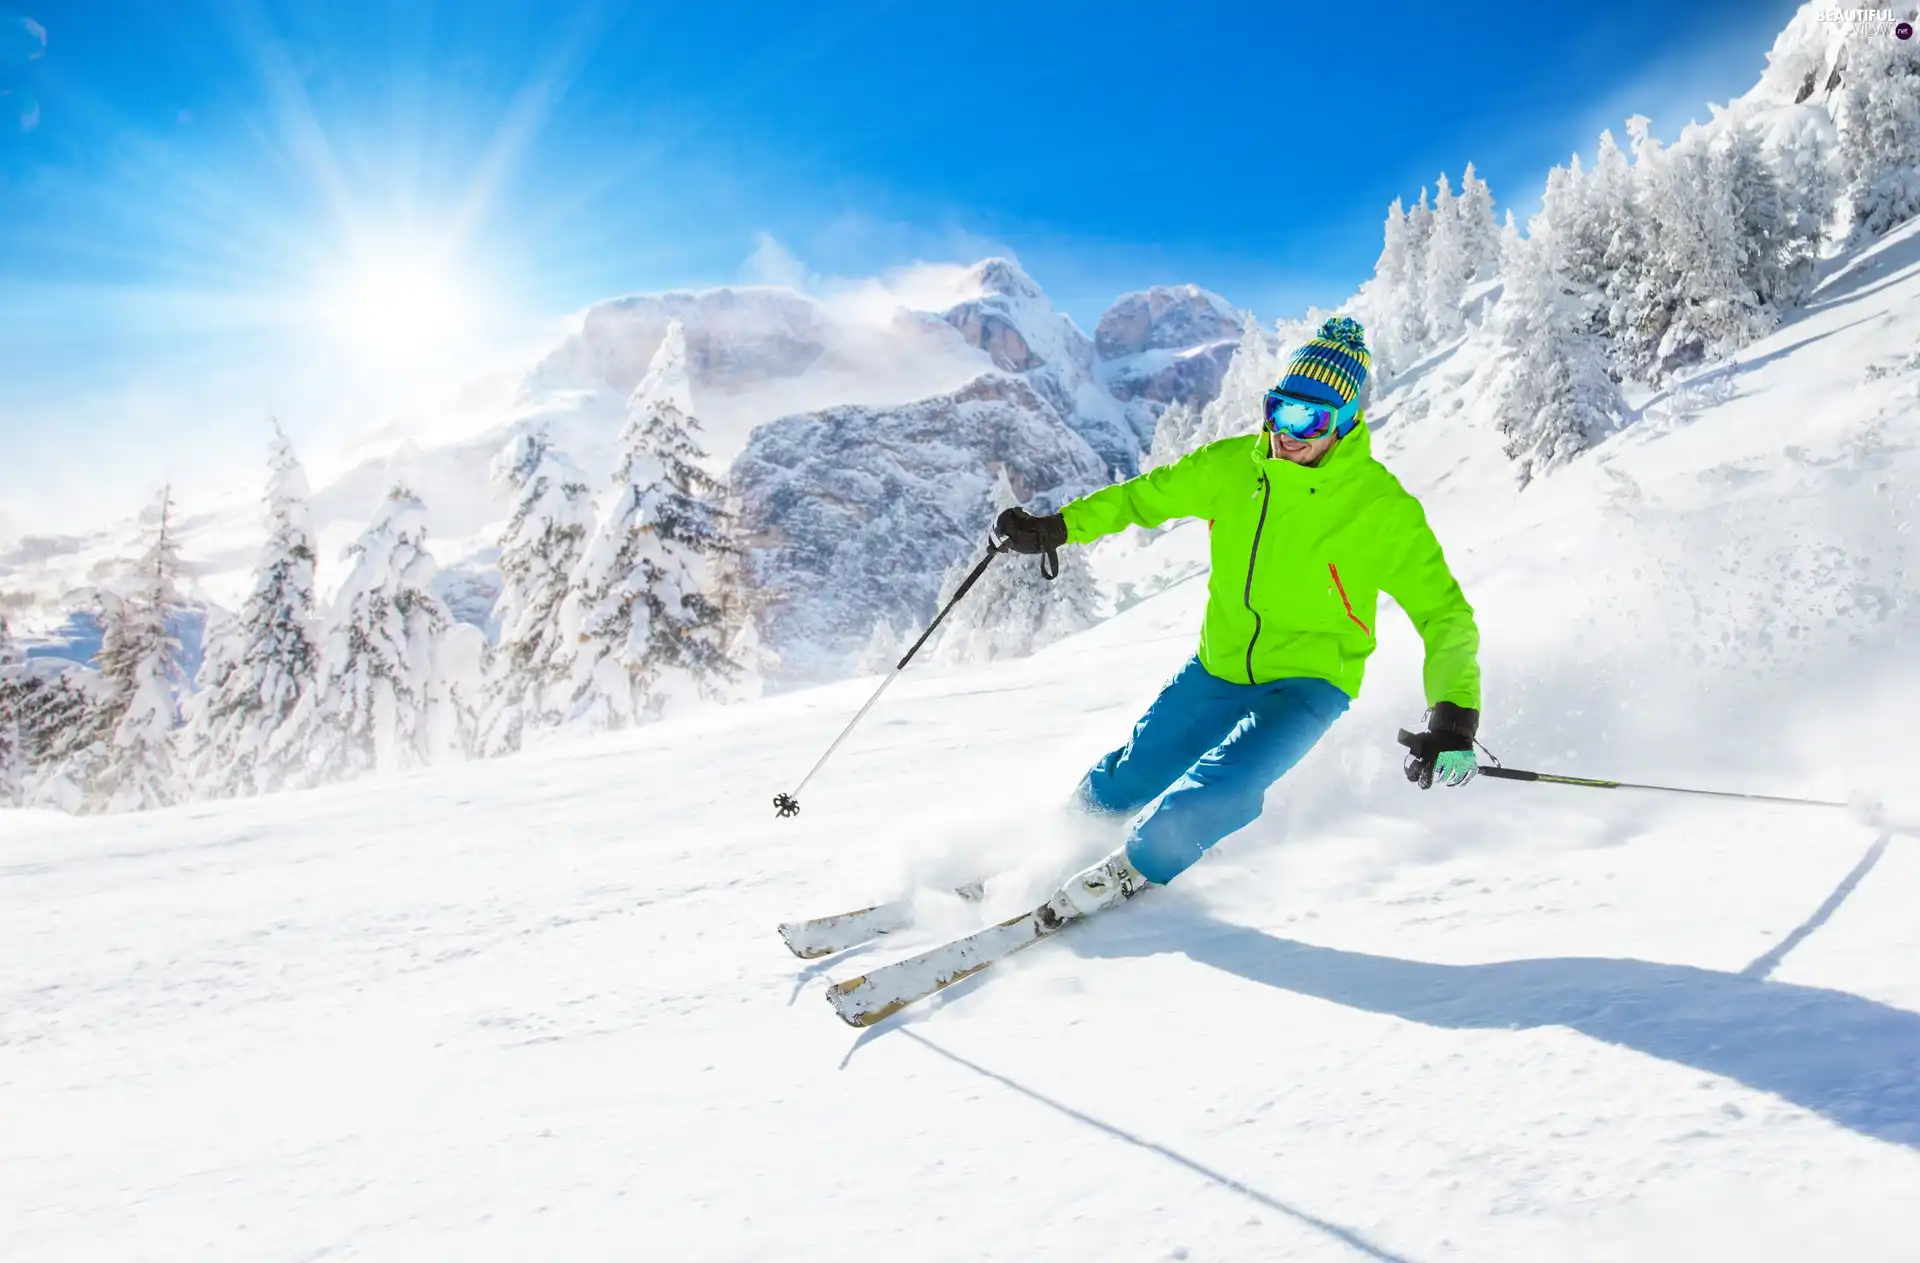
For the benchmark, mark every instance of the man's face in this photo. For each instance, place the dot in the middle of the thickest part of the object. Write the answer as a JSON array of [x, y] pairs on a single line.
[[1300, 452]]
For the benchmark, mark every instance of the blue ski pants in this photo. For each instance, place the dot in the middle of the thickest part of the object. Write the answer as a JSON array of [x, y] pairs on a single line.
[[1207, 750]]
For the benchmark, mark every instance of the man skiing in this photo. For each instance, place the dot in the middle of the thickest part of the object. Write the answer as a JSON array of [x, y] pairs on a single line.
[[1307, 529]]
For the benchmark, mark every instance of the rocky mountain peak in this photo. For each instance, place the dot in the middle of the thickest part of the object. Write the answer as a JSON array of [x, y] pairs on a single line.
[[1004, 277], [1166, 317]]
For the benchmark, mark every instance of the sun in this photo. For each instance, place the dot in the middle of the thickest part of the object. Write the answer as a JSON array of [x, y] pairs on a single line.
[[398, 304]]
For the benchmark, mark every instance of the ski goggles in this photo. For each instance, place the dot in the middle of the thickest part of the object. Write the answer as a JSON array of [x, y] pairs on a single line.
[[1297, 419]]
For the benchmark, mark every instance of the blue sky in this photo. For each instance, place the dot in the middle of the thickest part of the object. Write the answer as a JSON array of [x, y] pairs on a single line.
[[192, 193]]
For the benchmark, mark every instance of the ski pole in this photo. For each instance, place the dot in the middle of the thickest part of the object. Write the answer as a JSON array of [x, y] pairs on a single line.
[[1515, 774], [1500, 772], [789, 804]]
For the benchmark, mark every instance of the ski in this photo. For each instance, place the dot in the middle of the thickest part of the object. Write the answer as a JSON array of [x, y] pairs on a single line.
[[875, 996], [823, 936]]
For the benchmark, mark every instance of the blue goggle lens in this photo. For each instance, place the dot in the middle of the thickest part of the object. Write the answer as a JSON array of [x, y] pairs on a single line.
[[1299, 420]]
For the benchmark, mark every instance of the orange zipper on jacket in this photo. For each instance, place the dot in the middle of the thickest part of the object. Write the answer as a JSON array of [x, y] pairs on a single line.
[[1341, 588]]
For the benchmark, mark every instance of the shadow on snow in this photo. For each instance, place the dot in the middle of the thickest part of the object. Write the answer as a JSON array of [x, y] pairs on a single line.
[[1853, 1061]]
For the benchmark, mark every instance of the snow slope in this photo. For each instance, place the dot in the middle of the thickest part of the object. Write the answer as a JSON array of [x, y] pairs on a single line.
[[535, 1007]]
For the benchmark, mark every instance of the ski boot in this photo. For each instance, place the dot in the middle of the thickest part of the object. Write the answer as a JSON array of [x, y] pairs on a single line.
[[1111, 882]]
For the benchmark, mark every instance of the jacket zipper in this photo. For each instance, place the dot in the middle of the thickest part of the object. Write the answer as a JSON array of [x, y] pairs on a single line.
[[1266, 494], [1341, 588]]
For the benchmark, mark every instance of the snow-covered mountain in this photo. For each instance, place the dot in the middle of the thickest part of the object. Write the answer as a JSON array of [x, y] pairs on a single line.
[[1168, 344], [536, 1006], [852, 514], [756, 355]]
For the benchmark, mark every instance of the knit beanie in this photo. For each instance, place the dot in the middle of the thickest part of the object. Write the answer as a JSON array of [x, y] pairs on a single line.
[[1331, 368]]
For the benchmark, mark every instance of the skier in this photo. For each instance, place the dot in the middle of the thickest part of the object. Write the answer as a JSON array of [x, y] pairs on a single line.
[[1307, 530]]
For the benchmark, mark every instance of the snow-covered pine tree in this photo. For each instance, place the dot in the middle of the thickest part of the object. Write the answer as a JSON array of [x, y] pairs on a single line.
[[1173, 434], [259, 663], [1614, 200], [129, 764], [1509, 237], [52, 705], [885, 644], [13, 759], [1877, 112], [457, 692], [1478, 227], [1803, 158], [1555, 397], [1764, 255], [1414, 334], [1014, 610], [1449, 266], [369, 708], [1640, 290], [545, 536], [1581, 222], [1697, 256], [646, 628], [201, 773], [1387, 294], [757, 660]]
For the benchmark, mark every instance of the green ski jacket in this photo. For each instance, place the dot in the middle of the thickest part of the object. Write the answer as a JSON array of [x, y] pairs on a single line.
[[1300, 555]]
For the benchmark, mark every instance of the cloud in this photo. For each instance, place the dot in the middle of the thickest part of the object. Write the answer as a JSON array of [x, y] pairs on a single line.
[[852, 242], [773, 264], [21, 39]]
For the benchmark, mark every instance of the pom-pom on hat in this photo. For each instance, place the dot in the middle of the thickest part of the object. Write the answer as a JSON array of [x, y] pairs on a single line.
[[1331, 368]]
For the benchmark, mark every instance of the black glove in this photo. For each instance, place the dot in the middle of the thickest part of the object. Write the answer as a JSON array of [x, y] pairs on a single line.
[[1022, 532], [1449, 728]]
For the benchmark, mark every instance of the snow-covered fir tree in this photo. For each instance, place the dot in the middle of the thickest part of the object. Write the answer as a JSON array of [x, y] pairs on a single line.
[[1614, 202], [1509, 234], [1877, 113], [758, 661], [1381, 292], [1697, 258], [1429, 255], [1478, 226], [457, 693], [1574, 205], [1173, 434], [544, 538], [1639, 305], [646, 629], [13, 759], [128, 763], [1767, 258], [884, 646], [1391, 298], [51, 704], [1419, 238], [1804, 157], [1013, 610], [1449, 267], [1556, 397], [259, 664], [371, 706]]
